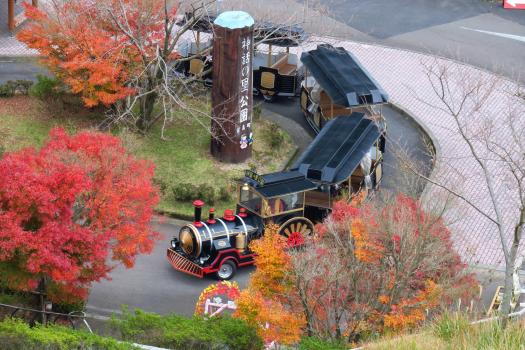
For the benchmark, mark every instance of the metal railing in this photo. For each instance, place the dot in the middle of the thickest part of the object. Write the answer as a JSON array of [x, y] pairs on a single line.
[[52, 316]]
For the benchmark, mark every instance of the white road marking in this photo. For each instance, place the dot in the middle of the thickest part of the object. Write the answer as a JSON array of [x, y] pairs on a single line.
[[503, 35]]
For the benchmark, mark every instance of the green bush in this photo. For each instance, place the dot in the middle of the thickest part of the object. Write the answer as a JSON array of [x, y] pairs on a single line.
[[46, 87], [314, 343], [224, 194], [17, 335], [6, 91], [177, 332], [189, 192], [11, 87], [208, 194], [185, 191], [276, 137]]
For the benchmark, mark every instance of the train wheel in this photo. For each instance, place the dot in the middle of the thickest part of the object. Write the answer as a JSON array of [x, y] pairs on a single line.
[[296, 229], [227, 270], [268, 98]]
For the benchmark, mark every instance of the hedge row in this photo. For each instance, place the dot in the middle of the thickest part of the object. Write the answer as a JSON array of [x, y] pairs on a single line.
[[177, 332], [12, 87], [17, 335]]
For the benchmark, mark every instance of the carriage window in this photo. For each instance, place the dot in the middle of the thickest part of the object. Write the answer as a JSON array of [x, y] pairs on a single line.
[[250, 200], [285, 203]]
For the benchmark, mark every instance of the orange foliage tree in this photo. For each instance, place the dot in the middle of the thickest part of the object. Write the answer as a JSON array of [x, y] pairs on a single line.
[[268, 302], [71, 211], [107, 50]]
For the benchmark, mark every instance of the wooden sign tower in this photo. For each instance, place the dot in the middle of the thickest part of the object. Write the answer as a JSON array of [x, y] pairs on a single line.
[[232, 93]]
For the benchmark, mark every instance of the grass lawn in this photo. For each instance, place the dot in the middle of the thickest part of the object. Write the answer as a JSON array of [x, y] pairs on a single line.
[[184, 167], [455, 332]]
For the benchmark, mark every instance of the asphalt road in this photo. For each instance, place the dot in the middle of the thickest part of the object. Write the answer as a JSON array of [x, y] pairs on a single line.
[[152, 284], [474, 31]]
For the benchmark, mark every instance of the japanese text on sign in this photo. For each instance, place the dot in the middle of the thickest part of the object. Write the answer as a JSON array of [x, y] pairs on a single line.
[[244, 111]]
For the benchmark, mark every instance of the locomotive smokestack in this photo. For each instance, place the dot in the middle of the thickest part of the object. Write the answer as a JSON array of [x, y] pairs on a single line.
[[228, 215], [242, 212], [198, 204], [211, 217]]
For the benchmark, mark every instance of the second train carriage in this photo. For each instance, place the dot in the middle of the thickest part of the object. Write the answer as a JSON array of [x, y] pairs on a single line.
[[345, 158], [336, 84]]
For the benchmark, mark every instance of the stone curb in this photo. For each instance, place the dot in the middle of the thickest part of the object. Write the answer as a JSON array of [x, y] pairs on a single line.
[[429, 134]]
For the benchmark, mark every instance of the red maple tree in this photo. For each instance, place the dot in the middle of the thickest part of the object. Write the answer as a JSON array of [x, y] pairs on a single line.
[[68, 208]]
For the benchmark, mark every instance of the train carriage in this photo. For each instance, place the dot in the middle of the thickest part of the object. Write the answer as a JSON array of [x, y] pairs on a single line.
[[277, 73], [344, 159], [336, 84], [196, 59]]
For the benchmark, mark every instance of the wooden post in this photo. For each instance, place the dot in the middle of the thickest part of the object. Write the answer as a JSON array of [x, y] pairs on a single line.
[[35, 3], [232, 91], [269, 55], [11, 14]]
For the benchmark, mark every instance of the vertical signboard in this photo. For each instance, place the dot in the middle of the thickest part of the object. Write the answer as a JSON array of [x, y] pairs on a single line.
[[232, 95]]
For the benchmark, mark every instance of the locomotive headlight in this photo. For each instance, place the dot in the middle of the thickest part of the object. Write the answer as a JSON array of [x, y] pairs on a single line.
[[188, 241], [173, 243]]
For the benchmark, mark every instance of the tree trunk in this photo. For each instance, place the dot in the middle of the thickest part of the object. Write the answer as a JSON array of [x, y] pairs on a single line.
[[509, 284], [42, 289], [147, 104]]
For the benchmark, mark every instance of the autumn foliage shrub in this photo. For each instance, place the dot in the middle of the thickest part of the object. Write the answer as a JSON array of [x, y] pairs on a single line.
[[71, 211], [269, 301], [383, 266]]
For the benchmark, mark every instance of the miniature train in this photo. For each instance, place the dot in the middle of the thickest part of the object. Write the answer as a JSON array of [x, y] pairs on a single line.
[[345, 158], [339, 99]]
